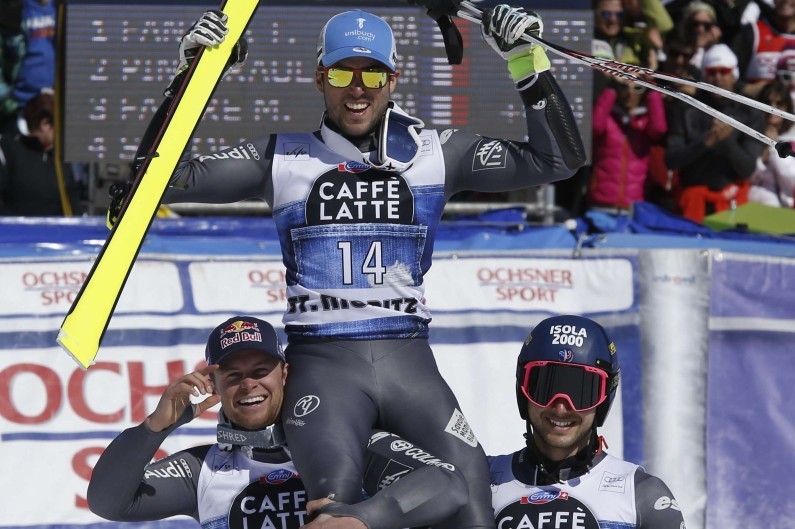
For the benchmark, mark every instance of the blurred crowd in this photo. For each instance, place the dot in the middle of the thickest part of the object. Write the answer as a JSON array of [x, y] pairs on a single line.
[[646, 146], [656, 148], [33, 182]]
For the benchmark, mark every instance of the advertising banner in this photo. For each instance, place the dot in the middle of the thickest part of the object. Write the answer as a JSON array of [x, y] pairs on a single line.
[[750, 422], [56, 418]]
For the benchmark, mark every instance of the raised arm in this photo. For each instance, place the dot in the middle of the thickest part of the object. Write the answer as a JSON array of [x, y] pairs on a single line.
[[125, 487], [554, 150]]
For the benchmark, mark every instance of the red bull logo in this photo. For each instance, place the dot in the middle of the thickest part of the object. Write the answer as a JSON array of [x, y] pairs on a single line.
[[239, 326]]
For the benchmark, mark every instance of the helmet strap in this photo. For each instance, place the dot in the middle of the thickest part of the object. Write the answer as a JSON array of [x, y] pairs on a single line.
[[548, 472], [602, 442]]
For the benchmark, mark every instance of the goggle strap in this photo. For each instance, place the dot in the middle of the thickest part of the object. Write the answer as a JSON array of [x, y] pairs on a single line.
[[410, 124]]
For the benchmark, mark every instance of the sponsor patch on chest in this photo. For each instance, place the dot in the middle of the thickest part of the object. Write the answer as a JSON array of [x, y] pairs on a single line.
[[345, 196]]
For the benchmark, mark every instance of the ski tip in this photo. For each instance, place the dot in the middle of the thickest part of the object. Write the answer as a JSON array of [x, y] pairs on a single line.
[[82, 357]]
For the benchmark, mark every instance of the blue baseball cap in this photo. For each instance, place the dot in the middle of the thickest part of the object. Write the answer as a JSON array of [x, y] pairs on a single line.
[[242, 332], [356, 34]]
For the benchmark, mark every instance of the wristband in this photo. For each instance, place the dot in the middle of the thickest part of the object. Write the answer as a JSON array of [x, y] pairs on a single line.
[[528, 63]]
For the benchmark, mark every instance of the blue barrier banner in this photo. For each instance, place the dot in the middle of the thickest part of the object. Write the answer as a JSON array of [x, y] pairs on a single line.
[[751, 379], [488, 287], [704, 338]]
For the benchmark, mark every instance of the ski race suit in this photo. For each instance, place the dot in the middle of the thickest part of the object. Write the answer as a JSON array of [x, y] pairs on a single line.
[[608, 493], [356, 243], [222, 486]]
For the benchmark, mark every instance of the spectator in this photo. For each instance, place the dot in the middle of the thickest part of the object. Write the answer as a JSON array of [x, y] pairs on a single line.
[[630, 35], [649, 16], [37, 70], [773, 183], [627, 120], [648, 13], [29, 181], [12, 48], [662, 182], [679, 52], [729, 14], [785, 71], [700, 25], [758, 45], [714, 159], [614, 38]]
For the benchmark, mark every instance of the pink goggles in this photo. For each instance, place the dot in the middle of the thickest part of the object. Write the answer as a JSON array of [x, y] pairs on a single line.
[[583, 387]]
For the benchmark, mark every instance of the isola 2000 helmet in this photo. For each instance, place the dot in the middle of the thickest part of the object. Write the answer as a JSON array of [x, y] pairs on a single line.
[[569, 357]]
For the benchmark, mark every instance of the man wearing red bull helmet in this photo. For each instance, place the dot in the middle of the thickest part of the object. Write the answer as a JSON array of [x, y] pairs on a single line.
[[357, 205], [247, 479], [567, 375]]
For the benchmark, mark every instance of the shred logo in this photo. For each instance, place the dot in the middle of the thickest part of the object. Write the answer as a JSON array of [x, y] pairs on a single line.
[[296, 151], [490, 154], [348, 196], [263, 504], [547, 509], [306, 405], [234, 437]]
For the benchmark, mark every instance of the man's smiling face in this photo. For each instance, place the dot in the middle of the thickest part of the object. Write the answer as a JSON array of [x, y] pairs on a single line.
[[251, 386], [355, 109]]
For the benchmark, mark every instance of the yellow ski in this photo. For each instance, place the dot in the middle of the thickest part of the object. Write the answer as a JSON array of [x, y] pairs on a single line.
[[85, 324]]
